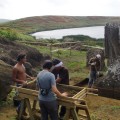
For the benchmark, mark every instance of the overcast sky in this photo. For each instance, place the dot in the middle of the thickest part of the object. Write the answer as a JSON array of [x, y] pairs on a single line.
[[15, 9]]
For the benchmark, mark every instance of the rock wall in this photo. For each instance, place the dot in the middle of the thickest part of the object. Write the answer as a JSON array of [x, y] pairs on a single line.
[[109, 85]]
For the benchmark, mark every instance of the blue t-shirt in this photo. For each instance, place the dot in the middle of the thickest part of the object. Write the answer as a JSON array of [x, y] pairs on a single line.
[[45, 80]]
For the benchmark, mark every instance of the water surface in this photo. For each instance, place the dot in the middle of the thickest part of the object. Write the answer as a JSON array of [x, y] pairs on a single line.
[[94, 32]]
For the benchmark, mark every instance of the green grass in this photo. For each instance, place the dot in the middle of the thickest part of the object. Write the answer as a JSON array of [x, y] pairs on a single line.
[[76, 62]]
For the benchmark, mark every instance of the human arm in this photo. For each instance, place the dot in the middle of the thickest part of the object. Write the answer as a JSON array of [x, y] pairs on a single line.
[[54, 88], [58, 80], [92, 61], [28, 76], [58, 93]]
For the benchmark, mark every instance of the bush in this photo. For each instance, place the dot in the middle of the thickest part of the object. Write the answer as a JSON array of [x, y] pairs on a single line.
[[8, 33], [13, 35]]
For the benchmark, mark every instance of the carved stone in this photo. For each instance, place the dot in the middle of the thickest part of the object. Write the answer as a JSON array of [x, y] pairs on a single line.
[[109, 85]]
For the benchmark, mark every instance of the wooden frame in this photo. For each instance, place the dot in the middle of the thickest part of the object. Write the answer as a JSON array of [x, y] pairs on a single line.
[[72, 104]]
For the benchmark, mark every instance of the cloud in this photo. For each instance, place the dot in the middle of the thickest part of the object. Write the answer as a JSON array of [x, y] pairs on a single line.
[[3, 3], [15, 9]]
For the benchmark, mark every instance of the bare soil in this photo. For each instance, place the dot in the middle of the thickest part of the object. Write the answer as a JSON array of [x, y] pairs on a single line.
[[100, 108]]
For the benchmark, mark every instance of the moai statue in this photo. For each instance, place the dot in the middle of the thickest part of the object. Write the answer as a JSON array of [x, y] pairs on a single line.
[[109, 85]]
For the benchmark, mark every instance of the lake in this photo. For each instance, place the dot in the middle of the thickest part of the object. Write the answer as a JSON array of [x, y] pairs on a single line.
[[94, 32]]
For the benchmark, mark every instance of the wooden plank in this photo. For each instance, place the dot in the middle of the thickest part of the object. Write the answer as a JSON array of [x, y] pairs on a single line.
[[82, 96], [80, 106], [92, 94], [32, 97], [31, 82], [82, 115], [25, 90], [70, 87], [80, 93], [66, 103]]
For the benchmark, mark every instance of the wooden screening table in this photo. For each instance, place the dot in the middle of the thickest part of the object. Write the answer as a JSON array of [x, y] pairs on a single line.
[[73, 103]]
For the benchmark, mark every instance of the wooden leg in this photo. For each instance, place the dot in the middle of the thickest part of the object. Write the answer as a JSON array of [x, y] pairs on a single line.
[[29, 108], [67, 114], [74, 114], [21, 109], [34, 104], [88, 114]]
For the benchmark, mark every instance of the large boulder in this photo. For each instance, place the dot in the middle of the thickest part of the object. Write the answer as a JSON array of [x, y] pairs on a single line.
[[109, 85], [5, 79], [9, 51]]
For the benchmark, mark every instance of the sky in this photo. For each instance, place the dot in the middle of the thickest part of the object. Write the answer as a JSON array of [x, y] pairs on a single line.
[[16, 9]]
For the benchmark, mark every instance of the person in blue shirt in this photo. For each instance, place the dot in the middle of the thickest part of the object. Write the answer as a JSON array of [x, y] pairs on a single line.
[[48, 92]]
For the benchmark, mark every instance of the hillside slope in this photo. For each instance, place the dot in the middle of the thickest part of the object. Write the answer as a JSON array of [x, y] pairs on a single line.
[[3, 20], [41, 23]]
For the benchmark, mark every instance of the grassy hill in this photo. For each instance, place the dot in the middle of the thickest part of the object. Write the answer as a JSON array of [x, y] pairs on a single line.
[[41, 23]]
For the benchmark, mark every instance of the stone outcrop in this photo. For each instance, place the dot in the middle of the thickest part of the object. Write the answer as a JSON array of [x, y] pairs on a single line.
[[5, 79], [109, 85], [9, 51]]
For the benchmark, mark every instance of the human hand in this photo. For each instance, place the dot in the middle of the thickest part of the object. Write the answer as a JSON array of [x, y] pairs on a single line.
[[32, 78], [24, 84], [65, 94]]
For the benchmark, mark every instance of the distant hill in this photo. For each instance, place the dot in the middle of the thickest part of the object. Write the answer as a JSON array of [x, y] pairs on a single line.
[[41, 23], [4, 20]]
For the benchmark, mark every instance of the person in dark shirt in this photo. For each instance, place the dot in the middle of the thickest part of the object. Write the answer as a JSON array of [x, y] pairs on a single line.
[[62, 77], [94, 68]]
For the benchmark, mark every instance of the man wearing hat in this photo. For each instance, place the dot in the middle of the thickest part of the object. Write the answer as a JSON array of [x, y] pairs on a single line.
[[62, 77], [95, 66]]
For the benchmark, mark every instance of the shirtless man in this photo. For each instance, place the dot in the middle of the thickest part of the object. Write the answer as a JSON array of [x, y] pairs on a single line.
[[19, 74]]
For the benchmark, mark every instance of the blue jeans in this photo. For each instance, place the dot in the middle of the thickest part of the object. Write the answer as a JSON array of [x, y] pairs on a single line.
[[92, 78], [49, 108]]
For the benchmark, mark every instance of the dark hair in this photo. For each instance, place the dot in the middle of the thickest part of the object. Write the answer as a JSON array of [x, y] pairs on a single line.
[[20, 56], [55, 61], [47, 64]]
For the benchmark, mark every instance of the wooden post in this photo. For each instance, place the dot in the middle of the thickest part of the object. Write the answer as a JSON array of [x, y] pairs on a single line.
[[70, 51], [29, 108], [34, 104], [74, 114]]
